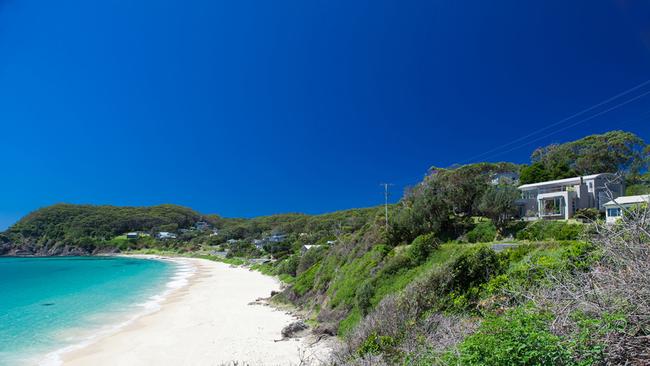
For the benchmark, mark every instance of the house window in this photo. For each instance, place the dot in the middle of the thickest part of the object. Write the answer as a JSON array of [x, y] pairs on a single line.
[[553, 206], [614, 212], [590, 186]]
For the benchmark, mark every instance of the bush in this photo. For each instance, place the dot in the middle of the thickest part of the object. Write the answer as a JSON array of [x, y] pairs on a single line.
[[589, 214], [551, 230], [422, 247], [483, 232], [310, 258], [474, 268], [288, 266], [376, 344], [397, 263], [519, 337], [364, 295]]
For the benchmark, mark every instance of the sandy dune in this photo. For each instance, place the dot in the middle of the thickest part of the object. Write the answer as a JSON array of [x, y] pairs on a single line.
[[208, 322]]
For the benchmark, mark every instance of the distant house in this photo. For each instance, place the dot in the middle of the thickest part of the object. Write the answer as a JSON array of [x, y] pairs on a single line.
[[215, 232], [331, 242], [232, 241], [259, 243], [505, 178], [277, 238], [165, 235], [305, 248], [614, 209], [132, 235], [560, 199], [202, 225]]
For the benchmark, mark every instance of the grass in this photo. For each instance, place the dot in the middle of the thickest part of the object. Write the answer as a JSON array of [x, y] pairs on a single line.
[[344, 286], [386, 285]]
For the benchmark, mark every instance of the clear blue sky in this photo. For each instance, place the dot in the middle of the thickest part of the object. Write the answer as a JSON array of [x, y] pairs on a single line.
[[246, 108]]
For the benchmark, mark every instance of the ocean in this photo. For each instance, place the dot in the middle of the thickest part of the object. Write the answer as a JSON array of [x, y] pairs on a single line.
[[50, 305]]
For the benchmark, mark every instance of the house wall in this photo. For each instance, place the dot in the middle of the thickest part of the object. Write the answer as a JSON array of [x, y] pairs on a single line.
[[590, 193]]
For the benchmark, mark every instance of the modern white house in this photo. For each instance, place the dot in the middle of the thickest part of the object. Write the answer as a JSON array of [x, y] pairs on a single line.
[[560, 199], [614, 209]]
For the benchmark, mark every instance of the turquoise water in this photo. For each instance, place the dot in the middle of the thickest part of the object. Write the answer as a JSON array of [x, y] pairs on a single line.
[[50, 303]]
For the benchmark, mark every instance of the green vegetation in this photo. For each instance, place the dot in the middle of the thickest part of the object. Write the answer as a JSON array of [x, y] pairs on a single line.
[[429, 289], [611, 152], [519, 337]]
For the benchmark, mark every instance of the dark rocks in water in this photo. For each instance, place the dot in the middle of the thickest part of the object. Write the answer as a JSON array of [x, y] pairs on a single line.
[[47, 304], [294, 329], [273, 293]]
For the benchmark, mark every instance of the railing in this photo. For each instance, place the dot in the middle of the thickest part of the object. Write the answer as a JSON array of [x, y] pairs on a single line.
[[556, 189]]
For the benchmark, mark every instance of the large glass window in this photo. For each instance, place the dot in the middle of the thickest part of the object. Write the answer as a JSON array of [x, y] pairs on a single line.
[[614, 212], [553, 206]]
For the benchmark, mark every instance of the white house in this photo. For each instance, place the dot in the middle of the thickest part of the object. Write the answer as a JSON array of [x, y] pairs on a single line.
[[560, 199], [614, 209], [166, 235], [305, 248], [505, 177]]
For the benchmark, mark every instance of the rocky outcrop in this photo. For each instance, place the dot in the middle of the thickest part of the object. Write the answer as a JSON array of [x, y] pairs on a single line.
[[49, 249], [294, 330]]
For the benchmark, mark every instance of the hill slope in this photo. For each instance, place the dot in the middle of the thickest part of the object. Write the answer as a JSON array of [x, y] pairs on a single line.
[[65, 229]]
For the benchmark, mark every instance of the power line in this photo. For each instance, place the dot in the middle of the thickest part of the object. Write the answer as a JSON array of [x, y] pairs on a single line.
[[487, 153], [608, 100]]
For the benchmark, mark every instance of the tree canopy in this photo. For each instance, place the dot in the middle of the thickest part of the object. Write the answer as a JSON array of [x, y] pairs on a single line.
[[611, 152]]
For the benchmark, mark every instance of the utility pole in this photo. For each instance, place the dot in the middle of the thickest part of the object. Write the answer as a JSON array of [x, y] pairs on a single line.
[[386, 185]]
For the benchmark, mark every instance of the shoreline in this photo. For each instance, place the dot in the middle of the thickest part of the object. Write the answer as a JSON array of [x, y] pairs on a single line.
[[176, 281], [211, 319]]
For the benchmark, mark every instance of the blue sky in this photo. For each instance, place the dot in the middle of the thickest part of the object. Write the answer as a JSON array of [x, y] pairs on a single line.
[[246, 108]]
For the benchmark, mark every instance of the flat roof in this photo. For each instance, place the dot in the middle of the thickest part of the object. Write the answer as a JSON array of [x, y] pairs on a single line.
[[627, 200], [562, 181]]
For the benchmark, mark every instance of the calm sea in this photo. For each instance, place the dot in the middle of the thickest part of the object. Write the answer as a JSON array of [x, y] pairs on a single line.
[[47, 304]]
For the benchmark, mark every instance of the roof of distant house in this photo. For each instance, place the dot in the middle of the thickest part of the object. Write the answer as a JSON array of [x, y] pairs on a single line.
[[628, 200], [573, 180]]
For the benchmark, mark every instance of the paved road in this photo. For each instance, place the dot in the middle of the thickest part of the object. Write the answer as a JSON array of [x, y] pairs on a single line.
[[503, 246]]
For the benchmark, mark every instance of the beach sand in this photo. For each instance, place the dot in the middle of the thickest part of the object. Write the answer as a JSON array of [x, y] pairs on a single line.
[[210, 321]]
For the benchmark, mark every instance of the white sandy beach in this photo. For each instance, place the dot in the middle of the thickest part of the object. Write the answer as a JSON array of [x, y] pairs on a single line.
[[208, 322]]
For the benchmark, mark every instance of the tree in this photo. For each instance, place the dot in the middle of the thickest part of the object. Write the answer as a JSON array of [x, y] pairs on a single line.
[[611, 152], [533, 173], [498, 204]]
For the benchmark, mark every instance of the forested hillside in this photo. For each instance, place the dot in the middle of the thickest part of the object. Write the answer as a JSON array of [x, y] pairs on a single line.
[[84, 229]]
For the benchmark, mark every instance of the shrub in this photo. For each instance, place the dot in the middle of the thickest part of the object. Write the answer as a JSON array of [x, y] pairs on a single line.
[[288, 266], [484, 231], [397, 263], [549, 230], [422, 247], [376, 344], [590, 214], [474, 268], [309, 259], [519, 337], [364, 296]]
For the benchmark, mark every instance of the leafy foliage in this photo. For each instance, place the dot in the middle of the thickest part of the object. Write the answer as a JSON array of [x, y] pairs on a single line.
[[446, 200], [89, 226], [519, 337], [498, 204], [610, 152], [551, 230], [483, 232]]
